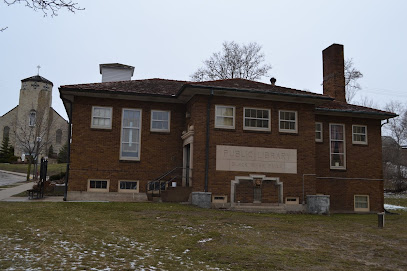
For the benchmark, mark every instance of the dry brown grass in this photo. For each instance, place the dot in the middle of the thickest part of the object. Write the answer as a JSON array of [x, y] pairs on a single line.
[[124, 236]]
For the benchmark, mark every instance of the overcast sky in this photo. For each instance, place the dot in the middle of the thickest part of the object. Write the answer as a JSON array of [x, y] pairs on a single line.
[[170, 39]]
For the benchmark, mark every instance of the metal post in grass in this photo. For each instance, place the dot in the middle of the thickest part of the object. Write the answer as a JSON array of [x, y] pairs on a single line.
[[380, 219]]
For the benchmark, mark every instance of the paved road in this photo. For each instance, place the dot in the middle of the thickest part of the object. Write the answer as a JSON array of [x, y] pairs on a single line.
[[6, 179]]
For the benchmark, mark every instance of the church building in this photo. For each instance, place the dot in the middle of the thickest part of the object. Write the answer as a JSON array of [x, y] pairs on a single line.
[[245, 143], [34, 120]]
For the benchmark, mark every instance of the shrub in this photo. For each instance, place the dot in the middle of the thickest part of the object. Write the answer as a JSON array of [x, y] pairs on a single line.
[[57, 176]]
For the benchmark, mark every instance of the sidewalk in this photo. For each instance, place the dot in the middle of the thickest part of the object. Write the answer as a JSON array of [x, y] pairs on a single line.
[[8, 192], [17, 173]]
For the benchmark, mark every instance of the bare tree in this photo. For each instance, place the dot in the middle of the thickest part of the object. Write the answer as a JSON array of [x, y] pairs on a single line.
[[394, 156], [367, 102], [32, 137], [234, 61], [46, 6], [351, 80]]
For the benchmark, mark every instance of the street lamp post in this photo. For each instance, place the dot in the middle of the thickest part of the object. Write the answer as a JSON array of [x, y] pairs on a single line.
[[38, 140]]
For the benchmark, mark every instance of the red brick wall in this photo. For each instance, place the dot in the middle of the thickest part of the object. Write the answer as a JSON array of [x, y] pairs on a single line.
[[362, 161], [219, 181], [269, 192], [342, 193], [245, 192], [95, 152]]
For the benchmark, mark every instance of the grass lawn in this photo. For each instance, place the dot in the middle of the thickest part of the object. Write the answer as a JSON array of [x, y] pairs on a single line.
[[161, 236], [22, 168]]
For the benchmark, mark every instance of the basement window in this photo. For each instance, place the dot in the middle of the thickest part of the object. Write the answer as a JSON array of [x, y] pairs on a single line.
[[98, 185], [318, 132], [292, 200], [224, 117], [101, 117], [219, 199], [359, 134], [288, 121], [361, 203], [128, 186]]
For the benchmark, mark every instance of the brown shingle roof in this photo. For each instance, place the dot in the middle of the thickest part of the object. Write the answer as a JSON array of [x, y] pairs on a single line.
[[148, 86], [164, 87], [336, 106], [243, 84]]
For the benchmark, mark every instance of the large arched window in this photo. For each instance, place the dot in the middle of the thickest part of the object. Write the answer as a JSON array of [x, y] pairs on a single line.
[[6, 132], [59, 136], [33, 115]]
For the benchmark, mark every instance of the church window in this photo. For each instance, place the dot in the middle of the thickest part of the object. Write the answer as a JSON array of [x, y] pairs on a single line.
[[59, 136], [33, 115], [6, 132]]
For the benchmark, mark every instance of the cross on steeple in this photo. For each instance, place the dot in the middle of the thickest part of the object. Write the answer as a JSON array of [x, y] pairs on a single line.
[[38, 67]]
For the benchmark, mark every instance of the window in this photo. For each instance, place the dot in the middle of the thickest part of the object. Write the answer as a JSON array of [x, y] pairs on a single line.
[[359, 134], [318, 131], [98, 185], [130, 138], [288, 121], [6, 132], [58, 138], [224, 117], [361, 203], [128, 186], [256, 119], [160, 121], [32, 118], [337, 146], [101, 117]]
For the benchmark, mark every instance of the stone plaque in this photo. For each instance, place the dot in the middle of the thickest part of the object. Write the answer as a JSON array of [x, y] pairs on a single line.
[[254, 159]]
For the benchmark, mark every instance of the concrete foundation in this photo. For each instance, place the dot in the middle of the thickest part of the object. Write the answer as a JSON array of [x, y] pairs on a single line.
[[201, 199], [108, 196], [318, 204]]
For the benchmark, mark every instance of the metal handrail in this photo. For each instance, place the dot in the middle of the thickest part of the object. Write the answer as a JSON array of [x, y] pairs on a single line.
[[160, 182]]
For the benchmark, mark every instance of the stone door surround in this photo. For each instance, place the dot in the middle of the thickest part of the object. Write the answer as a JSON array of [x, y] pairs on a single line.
[[257, 180]]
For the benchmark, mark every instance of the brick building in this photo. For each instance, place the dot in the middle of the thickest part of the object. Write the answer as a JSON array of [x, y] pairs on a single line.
[[245, 142]]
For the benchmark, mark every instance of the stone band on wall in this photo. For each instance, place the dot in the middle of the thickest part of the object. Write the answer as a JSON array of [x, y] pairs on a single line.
[[254, 159]]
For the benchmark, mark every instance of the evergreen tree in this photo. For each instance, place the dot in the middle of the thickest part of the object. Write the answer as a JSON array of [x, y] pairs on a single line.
[[63, 154], [6, 150], [51, 153]]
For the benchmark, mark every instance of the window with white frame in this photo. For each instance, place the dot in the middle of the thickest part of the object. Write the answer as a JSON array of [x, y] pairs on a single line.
[[256, 119], [359, 134], [288, 121], [128, 186], [101, 117], [131, 134], [318, 131], [98, 185], [361, 203], [224, 116], [160, 121], [32, 118], [337, 146]]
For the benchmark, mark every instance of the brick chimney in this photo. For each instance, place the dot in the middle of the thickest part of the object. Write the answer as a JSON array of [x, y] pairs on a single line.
[[334, 72]]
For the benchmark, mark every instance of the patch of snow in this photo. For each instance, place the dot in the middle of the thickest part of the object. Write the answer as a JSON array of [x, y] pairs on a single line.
[[205, 240], [186, 251], [394, 207]]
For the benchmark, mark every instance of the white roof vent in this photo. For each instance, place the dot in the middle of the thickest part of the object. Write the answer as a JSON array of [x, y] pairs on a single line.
[[115, 72]]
